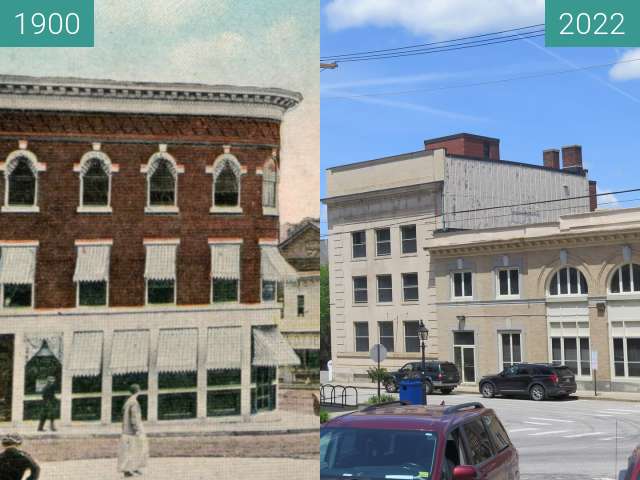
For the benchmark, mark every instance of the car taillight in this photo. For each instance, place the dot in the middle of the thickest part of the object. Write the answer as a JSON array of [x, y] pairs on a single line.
[[554, 377]]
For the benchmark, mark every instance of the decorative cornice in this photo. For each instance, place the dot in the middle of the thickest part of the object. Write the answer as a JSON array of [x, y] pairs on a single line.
[[71, 94]]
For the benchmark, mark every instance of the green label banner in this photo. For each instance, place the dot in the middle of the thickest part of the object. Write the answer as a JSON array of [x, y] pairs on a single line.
[[46, 23]]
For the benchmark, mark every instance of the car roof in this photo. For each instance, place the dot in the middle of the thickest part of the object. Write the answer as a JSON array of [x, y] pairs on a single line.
[[396, 416]]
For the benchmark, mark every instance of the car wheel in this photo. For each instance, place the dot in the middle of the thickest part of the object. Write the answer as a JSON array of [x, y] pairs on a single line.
[[537, 393], [446, 391], [428, 387], [487, 390], [391, 386]]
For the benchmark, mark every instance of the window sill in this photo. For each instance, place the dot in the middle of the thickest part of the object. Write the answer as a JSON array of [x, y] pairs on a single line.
[[413, 254], [162, 210], [359, 259], [411, 302], [384, 304], [462, 299], [508, 297], [567, 298], [270, 211], [382, 257], [360, 304], [623, 296], [99, 210], [19, 209], [226, 210]]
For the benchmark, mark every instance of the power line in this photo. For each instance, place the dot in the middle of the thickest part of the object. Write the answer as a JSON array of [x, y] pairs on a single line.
[[420, 45], [487, 82], [515, 205]]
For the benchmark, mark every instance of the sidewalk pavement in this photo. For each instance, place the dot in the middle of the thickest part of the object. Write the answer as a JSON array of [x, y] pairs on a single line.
[[278, 422], [188, 468]]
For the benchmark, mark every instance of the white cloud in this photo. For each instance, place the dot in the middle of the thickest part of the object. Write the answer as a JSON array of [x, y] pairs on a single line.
[[398, 80], [436, 18], [625, 69], [160, 15], [606, 199]]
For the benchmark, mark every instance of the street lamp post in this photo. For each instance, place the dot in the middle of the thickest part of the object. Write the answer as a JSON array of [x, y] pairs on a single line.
[[423, 333]]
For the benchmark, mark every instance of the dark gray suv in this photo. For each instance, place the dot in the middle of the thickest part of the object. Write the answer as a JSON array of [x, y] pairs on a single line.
[[441, 376], [538, 381]]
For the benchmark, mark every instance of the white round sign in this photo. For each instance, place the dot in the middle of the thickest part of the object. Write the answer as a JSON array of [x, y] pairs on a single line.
[[378, 353]]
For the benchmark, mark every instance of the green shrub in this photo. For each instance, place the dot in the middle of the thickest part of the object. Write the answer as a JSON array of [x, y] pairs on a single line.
[[375, 400], [376, 374], [324, 416]]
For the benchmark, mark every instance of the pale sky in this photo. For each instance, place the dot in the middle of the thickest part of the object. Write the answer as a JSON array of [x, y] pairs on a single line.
[[273, 43]]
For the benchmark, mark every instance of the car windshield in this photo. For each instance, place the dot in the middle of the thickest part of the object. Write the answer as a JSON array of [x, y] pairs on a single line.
[[563, 371], [370, 454]]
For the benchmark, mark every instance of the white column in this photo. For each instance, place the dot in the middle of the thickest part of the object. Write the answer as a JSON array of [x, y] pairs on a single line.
[[107, 378], [17, 396], [152, 393], [245, 375], [67, 378], [203, 335]]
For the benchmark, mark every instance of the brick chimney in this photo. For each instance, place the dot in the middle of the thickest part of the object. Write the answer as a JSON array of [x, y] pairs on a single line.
[[593, 195], [467, 145], [572, 158], [551, 158]]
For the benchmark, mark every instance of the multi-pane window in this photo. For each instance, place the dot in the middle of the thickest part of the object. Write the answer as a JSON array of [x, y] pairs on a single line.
[[508, 282], [410, 287], [272, 291], [408, 236], [224, 290], [383, 242], [22, 184], [568, 281], [626, 279], [162, 185], [226, 188], [411, 338], [626, 357], [361, 336], [269, 186], [360, 290], [385, 288], [95, 184], [359, 244], [385, 330], [300, 305], [511, 349], [92, 294], [17, 295], [462, 287], [160, 291], [573, 352]]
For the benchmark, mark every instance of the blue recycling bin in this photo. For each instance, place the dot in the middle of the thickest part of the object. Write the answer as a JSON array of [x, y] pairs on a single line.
[[413, 391]]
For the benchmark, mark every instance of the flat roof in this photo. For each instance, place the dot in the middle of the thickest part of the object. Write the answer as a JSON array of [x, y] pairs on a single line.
[[461, 135]]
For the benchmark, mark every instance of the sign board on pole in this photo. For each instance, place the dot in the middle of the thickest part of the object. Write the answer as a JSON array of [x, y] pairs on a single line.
[[378, 353], [594, 360]]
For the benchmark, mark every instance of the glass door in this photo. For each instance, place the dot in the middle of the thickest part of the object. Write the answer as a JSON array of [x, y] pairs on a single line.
[[464, 355]]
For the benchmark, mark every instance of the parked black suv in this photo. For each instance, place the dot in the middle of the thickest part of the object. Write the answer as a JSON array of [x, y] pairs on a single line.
[[442, 376], [538, 381]]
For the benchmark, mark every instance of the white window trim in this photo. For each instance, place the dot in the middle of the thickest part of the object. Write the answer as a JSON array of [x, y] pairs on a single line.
[[146, 295], [161, 241], [275, 297], [404, 337], [475, 357], [402, 252], [239, 170], [497, 281], [111, 167], [36, 167], [227, 241], [226, 302], [162, 154], [500, 352], [565, 296], [356, 259], [378, 301], [393, 333], [90, 307], [621, 293], [579, 360], [355, 336], [17, 309], [417, 286], [626, 376], [453, 285], [386, 241], [353, 287], [267, 210]]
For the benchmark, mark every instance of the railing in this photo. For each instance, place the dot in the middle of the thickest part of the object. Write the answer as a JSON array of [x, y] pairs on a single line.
[[338, 395]]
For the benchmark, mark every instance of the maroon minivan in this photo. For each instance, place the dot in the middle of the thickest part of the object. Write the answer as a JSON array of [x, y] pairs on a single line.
[[407, 442]]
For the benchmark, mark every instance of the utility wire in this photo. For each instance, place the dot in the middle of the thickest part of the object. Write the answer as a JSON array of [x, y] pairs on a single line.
[[420, 45]]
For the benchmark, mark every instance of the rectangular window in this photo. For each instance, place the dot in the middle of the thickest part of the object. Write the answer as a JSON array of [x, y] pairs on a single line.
[[224, 290], [585, 357], [462, 287], [386, 335], [618, 356], [508, 282], [409, 241], [411, 339], [223, 392], [161, 291], [362, 336], [573, 352], [360, 290], [359, 244], [383, 242], [633, 356], [385, 292], [629, 357], [17, 296], [269, 290], [301, 305], [410, 287], [92, 294], [511, 349]]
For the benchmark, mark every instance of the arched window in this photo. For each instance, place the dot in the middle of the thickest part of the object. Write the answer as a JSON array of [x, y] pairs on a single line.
[[95, 182], [162, 183], [21, 183], [626, 279], [568, 281], [226, 191], [269, 185]]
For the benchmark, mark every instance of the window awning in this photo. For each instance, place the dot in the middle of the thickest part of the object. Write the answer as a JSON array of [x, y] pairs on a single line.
[[18, 265], [274, 267], [225, 261], [130, 352], [303, 341], [92, 264], [161, 262], [224, 348], [178, 350], [86, 354], [270, 349]]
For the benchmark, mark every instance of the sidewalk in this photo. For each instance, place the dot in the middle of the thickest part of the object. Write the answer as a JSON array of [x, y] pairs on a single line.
[[188, 468]]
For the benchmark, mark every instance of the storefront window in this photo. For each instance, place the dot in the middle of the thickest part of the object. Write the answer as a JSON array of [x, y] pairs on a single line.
[[177, 399], [264, 389], [85, 407], [223, 392], [120, 387], [43, 365]]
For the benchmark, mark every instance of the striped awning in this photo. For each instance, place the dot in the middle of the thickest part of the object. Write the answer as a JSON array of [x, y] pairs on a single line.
[[224, 348], [273, 266], [130, 352], [178, 350], [225, 261], [270, 349], [161, 262], [86, 354], [303, 341], [92, 264], [18, 265]]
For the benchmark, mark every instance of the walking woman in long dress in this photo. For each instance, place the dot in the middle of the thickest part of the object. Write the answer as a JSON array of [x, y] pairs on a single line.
[[134, 446]]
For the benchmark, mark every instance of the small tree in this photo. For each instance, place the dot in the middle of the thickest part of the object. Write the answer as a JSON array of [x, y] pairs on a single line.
[[378, 374]]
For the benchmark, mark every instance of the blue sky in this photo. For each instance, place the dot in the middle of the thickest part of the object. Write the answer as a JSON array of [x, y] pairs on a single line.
[[597, 108]]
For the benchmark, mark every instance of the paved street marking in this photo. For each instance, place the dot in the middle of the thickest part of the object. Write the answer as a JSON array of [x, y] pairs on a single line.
[[617, 410], [609, 439], [580, 435], [538, 423], [552, 432], [553, 420], [527, 429]]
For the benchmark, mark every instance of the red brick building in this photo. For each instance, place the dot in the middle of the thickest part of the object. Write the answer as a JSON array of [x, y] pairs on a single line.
[[138, 243]]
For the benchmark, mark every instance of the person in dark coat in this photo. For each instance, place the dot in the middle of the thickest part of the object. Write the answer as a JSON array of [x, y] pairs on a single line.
[[48, 411], [14, 463]]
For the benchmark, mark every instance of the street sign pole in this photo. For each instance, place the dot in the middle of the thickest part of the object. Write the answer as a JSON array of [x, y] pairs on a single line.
[[378, 377], [594, 367], [378, 353]]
